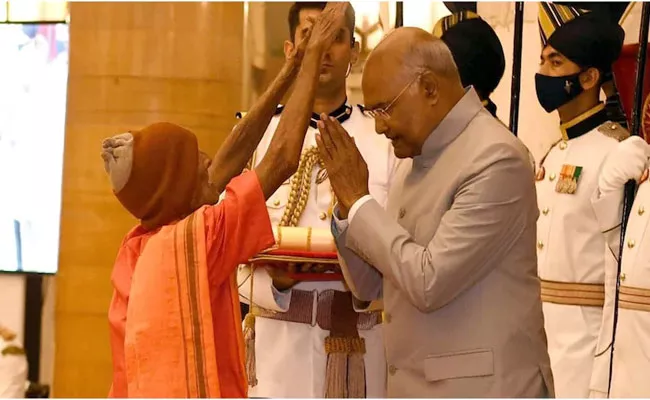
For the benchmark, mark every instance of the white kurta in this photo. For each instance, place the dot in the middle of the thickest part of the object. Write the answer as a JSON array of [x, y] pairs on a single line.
[[290, 357], [632, 346], [577, 243], [13, 370]]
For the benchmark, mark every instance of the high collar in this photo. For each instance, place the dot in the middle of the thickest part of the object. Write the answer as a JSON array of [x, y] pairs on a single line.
[[342, 113], [450, 127], [585, 122]]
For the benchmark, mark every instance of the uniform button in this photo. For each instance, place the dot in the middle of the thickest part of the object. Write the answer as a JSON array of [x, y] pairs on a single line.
[[622, 277], [631, 243], [545, 211], [322, 216], [641, 210], [387, 318], [276, 202], [540, 245], [562, 145], [402, 212], [551, 177], [392, 369]]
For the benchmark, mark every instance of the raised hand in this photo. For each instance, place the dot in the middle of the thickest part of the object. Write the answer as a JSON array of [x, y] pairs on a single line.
[[328, 24], [295, 56]]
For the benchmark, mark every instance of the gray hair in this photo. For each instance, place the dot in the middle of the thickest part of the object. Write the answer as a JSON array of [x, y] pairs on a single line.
[[430, 55]]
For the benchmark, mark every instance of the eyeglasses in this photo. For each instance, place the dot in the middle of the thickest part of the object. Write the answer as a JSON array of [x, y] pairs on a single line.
[[383, 113]]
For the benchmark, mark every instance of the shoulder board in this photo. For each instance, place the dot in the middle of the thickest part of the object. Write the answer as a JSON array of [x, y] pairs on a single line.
[[13, 350], [614, 130], [241, 114]]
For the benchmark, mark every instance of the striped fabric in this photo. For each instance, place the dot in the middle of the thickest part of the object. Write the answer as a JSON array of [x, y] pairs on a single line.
[[552, 16], [446, 23]]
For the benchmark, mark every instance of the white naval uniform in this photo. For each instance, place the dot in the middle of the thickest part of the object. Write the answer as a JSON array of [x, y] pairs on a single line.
[[632, 346], [290, 357], [13, 369], [578, 236]]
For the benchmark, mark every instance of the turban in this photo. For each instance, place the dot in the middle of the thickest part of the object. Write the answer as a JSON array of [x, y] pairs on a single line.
[[589, 39], [154, 172], [476, 49]]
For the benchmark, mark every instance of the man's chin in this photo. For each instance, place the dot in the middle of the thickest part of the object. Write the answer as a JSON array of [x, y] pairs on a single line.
[[400, 150], [325, 78]]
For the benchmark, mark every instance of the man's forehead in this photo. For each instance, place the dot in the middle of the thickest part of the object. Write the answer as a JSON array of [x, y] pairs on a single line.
[[377, 84], [307, 14], [549, 51]]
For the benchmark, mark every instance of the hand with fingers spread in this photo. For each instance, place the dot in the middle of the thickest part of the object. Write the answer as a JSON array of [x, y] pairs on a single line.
[[328, 25], [346, 168]]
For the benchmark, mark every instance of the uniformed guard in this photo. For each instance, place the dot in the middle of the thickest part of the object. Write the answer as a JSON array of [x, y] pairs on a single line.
[[13, 366], [632, 348], [477, 51], [579, 224], [631, 358], [292, 319]]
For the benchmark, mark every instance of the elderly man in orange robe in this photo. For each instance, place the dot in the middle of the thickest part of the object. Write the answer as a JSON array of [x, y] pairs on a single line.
[[174, 317]]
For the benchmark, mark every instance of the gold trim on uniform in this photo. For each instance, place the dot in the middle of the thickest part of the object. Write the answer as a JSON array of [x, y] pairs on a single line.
[[614, 130], [575, 121], [575, 294], [631, 298]]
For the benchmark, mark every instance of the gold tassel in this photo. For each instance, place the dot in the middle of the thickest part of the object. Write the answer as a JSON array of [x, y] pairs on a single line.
[[345, 375], [249, 337], [356, 376], [249, 342], [336, 385]]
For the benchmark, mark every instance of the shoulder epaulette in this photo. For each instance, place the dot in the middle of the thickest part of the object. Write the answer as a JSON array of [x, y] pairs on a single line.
[[13, 350], [241, 114], [614, 130]]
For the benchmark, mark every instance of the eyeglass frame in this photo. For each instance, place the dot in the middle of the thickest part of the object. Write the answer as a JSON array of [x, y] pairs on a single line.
[[382, 112]]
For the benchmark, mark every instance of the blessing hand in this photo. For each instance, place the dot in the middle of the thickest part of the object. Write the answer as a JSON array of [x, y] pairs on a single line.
[[346, 168]]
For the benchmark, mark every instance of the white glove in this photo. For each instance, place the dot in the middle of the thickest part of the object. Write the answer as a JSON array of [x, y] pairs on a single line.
[[626, 162]]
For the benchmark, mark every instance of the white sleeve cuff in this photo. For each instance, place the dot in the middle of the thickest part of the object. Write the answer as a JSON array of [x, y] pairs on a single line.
[[282, 298], [355, 207]]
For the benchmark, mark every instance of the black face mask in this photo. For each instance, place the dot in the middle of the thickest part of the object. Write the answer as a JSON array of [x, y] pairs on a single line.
[[555, 91]]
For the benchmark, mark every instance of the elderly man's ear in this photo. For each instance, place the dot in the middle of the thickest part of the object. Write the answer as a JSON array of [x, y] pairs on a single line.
[[430, 86]]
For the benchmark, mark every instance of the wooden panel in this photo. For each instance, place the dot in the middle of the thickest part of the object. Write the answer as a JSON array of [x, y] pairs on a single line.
[[131, 64]]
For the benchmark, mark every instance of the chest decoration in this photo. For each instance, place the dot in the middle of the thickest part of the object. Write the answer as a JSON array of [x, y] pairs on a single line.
[[540, 174], [569, 177]]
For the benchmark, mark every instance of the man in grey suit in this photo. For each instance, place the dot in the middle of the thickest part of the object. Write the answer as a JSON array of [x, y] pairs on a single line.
[[453, 255]]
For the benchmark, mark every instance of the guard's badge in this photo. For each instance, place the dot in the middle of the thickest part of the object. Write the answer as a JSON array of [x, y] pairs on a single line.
[[540, 173], [569, 177]]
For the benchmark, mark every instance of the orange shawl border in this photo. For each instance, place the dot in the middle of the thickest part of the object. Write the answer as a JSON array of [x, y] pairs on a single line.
[[193, 291]]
